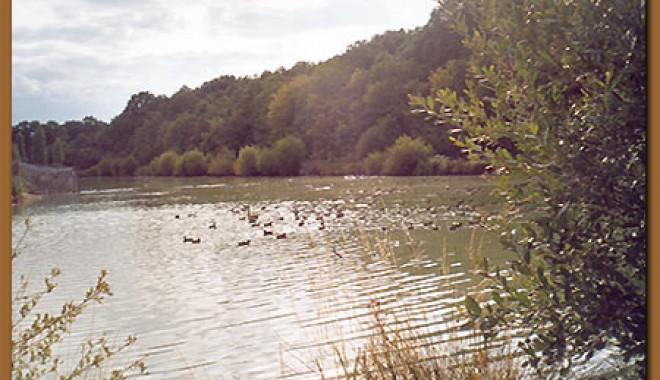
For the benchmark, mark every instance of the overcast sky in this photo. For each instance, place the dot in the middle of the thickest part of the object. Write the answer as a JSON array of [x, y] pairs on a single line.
[[74, 58]]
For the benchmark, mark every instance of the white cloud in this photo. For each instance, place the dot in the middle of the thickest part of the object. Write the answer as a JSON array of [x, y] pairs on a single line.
[[25, 86], [96, 54]]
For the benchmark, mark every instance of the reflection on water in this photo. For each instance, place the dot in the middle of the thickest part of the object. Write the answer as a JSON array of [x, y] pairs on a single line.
[[254, 278]]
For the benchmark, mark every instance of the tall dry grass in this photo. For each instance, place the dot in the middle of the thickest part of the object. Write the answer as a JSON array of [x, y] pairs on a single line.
[[393, 347]]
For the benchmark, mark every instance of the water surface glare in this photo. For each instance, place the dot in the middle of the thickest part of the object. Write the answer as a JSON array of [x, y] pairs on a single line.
[[255, 278]]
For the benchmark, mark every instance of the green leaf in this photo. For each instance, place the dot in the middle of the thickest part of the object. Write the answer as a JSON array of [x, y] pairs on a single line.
[[498, 300], [472, 306], [522, 298], [430, 103], [534, 128]]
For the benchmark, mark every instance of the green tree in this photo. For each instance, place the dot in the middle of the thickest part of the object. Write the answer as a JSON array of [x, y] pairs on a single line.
[[212, 140], [407, 156], [564, 83], [247, 162], [39, 151], [178, 134], [116, 138], [285, 106], [194, 163], [144, 142], [377, 137], [282, 159]]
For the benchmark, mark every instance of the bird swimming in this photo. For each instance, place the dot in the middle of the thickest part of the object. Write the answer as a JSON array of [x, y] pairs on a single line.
[[455, 226]]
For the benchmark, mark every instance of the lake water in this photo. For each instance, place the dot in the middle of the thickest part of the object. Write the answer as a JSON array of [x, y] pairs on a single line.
[[227, 309]]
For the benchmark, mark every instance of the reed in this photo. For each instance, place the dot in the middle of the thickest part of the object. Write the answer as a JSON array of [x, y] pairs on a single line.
[[406, 352], [398, 342]]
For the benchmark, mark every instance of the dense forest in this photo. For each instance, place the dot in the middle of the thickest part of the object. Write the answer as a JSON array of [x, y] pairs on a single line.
[[349, 114]]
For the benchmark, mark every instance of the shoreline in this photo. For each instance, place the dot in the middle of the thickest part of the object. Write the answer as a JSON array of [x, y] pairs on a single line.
[[25, 199]]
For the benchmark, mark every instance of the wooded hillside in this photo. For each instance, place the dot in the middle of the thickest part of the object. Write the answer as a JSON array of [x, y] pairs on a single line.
[[338, 116]]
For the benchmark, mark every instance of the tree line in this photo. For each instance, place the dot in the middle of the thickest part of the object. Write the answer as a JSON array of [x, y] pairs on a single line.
[[341, 114]]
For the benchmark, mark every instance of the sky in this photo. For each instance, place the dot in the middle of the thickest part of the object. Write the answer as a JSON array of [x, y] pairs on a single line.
[[77, 58]]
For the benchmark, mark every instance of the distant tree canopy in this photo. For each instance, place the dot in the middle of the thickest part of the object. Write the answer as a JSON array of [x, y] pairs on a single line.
[[341, 110]]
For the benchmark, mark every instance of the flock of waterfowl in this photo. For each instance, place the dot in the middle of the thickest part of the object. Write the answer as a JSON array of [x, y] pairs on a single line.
[[284, 219]]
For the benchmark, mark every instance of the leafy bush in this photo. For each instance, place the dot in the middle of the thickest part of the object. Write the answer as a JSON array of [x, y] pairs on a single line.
[[284, 158], [222, 163], [451, 76], [267, 162], [373, 163], [290, 153], [562, 118], [407, 156], [193, 163], [247, 161], [165, 164]]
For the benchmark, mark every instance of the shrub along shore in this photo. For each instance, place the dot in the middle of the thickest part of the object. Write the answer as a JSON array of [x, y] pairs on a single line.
[[288, 157]]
